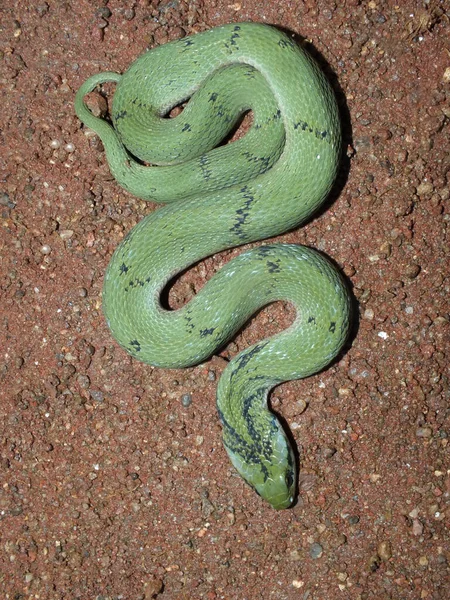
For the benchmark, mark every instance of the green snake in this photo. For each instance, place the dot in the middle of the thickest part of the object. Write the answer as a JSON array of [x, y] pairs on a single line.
[[217, 196]]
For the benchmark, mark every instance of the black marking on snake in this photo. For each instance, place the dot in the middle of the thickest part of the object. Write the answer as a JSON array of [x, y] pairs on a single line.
[[123, 269], [206, 172], [243, 213], [286, 43], [233, 38], [206, 332], [120, 115], [137, 283], [222, 113], [312, 320], [277, 115], [303, 125], [263, 251], [135, 346], [189, 324], [264, 160], [244, 358], [319, 134], [238, 445], [250, 73], [273, 267], [213, 97], [332, 327], [186, 127]]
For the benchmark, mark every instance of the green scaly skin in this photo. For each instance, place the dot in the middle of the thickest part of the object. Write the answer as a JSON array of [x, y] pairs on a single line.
[[218, 197]]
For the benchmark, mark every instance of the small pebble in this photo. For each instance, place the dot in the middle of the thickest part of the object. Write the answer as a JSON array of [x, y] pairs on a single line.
[[84, 382], [412, 270], [424, 432], [5, 200], [46, 249], [328, 452], [353, 520], [186, 400], [417, 527], [425, 188], [384, 551], [66, 234], [97, 395], [369, 314], [315, 551]]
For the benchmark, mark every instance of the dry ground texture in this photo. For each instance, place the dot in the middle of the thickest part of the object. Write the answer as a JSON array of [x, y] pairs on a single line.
[[113, 485]]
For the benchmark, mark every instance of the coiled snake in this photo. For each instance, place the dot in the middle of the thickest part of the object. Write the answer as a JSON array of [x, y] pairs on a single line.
[[218, 196]]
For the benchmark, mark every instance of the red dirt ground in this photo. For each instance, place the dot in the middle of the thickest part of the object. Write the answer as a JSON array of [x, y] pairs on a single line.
[[111, 487]]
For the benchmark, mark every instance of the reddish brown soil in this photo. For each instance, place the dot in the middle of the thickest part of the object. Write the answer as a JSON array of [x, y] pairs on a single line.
[[111, 487]]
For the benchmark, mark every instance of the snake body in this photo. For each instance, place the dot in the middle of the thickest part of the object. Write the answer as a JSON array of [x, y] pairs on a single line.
[[221, 196]]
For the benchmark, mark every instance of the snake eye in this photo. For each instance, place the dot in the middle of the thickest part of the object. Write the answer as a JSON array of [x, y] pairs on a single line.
[[289, 480]]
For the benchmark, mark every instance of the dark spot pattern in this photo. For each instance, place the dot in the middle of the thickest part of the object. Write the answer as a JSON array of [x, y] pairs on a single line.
[[206, 332], [320, 135], [120, 115], [135, 346], [273, 267], [134, 283], [206, 171], [243, 213], [242, 361], [286, 43]]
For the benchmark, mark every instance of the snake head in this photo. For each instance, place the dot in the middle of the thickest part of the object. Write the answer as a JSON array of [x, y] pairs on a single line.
[[272, 473]]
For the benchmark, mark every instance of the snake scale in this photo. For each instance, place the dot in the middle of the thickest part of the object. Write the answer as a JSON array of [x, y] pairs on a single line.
[[220, 195]]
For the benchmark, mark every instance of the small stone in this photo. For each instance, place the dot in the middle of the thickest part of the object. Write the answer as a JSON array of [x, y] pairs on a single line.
[[412, 270], [353, 520], [425, 188], [328, 452], [153, 588], [384, 551], [424, 432], [66, 234], [103, 12], [295, 555], [97, 395], [417, 527], [368, 314], [84, 382], [186, 400], [315, 550], [5, 200]]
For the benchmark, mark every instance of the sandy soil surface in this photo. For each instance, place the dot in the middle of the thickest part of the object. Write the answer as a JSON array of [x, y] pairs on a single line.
[[114, 482]]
